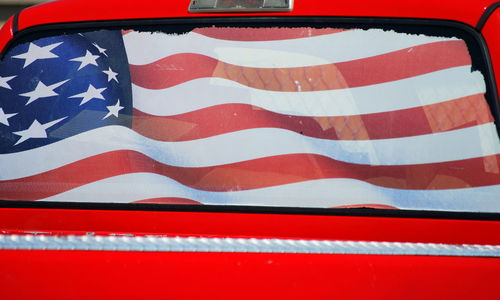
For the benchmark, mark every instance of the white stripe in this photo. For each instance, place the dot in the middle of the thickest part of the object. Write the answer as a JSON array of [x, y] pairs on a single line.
[[412, 92], [320, 193], [238, 245], [133, 187], [252, 144], [146, 47]]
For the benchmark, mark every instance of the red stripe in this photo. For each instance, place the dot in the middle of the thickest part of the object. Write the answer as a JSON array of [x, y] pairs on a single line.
[[375, 206], [234, 117], [253, 174], [418, 60], [125, 32], [184, 201], [263, 34]]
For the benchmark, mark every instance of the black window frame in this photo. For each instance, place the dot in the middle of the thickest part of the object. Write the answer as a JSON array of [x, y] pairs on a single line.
[[476, 44]]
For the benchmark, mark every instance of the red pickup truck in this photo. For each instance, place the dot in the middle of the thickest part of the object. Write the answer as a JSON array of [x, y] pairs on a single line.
[[250, 148]]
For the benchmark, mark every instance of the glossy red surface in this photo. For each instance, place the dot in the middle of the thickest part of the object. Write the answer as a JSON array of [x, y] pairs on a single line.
[[6, 33], [136, 275], [63, 11], [123, 275], [250, 225]]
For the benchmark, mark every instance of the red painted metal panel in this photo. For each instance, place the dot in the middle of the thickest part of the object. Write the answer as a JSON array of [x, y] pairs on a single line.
[[6, 33], [89, 10], [128, 275], [135, 275], [463, 11], [251, 225]]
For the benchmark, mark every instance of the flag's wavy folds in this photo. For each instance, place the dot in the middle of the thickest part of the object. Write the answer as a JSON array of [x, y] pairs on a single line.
[[298, 117]]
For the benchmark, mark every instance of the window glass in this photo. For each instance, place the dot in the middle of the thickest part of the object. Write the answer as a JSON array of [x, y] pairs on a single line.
[[276, 116]]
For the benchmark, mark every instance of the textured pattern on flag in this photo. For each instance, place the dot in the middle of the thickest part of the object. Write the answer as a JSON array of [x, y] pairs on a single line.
[[296, 117]]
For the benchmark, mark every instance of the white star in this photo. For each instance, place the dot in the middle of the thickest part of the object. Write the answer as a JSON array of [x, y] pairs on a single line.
[[4, 118], [91, 93], [88, 59], [36, 130], [35, 53], [114, 109], [111, 75], [101, 50], [4, 80], [42, 91]]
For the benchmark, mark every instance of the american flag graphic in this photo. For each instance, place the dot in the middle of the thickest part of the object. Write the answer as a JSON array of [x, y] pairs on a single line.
[[295, 117]]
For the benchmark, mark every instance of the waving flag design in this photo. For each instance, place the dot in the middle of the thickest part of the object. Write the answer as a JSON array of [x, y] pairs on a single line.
[[297, 117]]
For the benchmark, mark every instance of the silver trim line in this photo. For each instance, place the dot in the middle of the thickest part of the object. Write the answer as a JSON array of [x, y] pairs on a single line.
[[242, 245], [211, 6]]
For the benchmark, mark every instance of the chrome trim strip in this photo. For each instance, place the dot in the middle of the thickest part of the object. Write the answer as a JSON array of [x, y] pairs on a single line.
[[241, 245], [211, 6]]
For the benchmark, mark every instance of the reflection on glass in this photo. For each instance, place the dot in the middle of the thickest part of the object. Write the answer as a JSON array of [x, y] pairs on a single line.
[[294, 117]]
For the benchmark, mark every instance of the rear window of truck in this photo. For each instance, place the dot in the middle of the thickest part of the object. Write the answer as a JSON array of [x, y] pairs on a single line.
[[285, 116]]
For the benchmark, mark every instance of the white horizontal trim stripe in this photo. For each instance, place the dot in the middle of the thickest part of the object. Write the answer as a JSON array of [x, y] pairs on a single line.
[[471, 142], [322, 193], [239, 245], [146, 47], [412, 92]]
